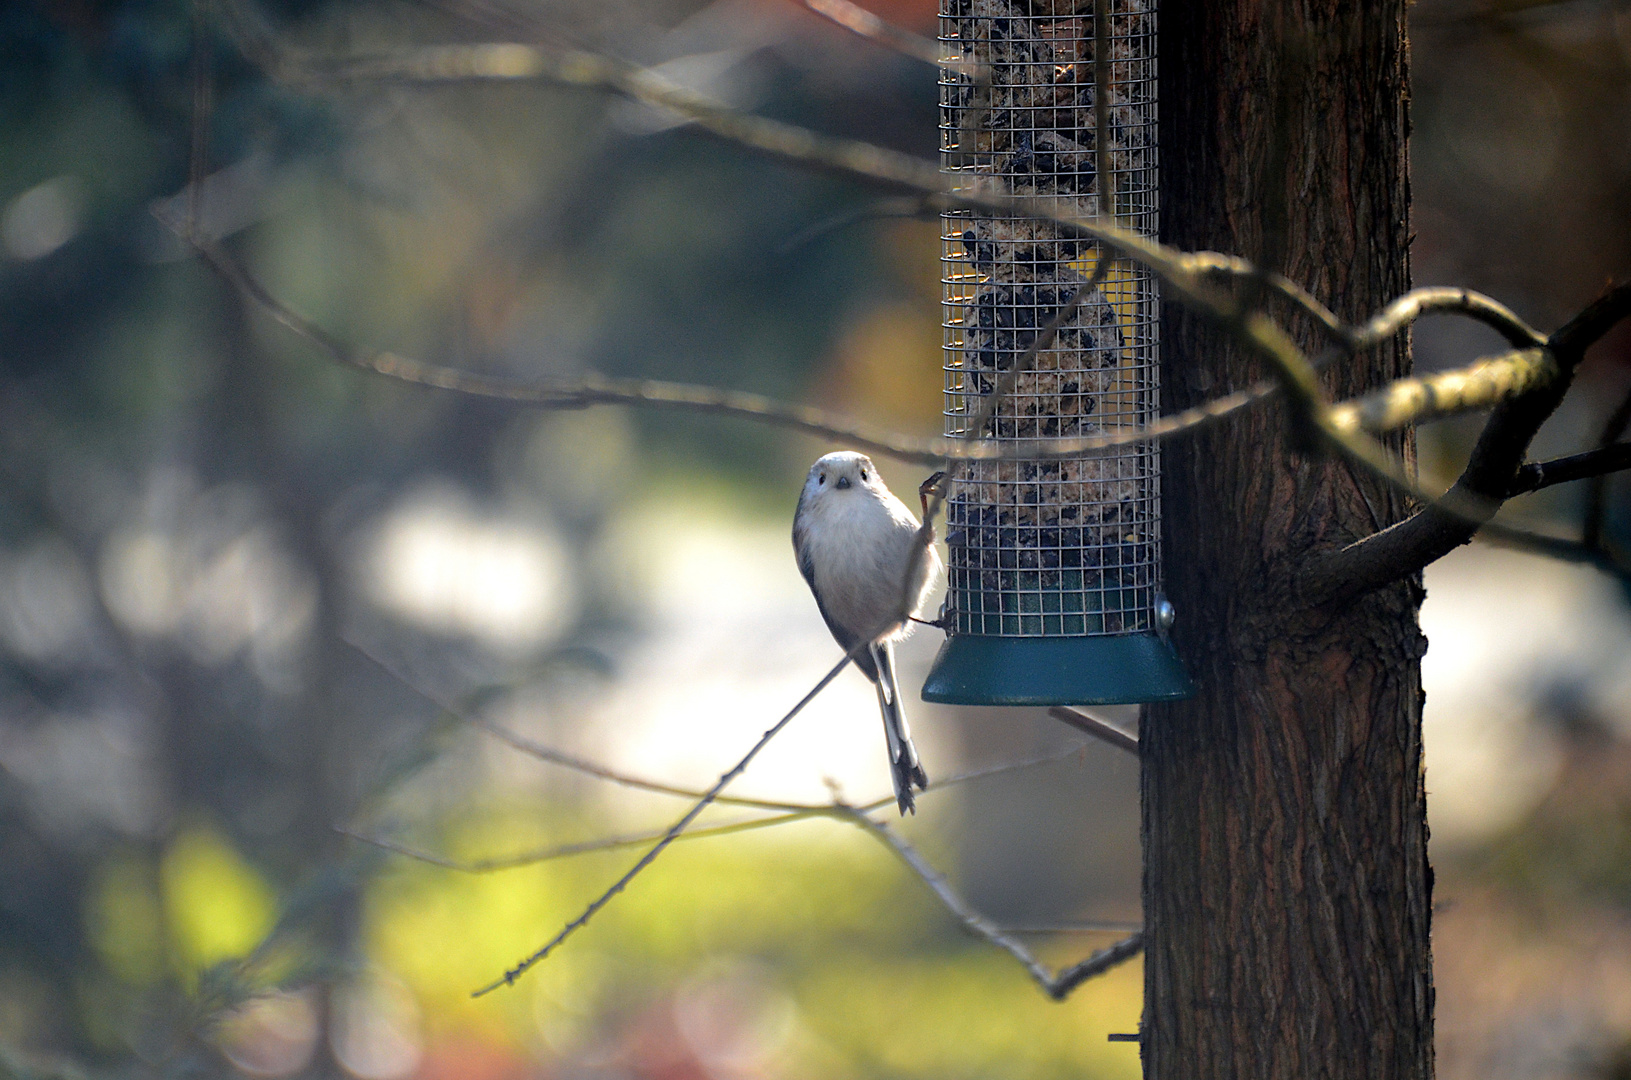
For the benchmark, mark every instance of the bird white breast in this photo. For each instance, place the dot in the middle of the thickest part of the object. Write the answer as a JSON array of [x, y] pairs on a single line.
[[859, 544]]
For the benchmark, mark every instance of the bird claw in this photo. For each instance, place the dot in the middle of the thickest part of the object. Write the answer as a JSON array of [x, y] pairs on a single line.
[[935, 486]]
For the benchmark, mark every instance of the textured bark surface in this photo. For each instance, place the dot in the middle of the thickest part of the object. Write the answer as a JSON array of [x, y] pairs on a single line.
[[1287, 892]]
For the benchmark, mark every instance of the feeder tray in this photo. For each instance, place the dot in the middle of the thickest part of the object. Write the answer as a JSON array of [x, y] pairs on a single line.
[[1054, 576]]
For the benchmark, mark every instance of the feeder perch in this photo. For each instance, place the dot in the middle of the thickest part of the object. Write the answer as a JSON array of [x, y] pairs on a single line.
[[1054, 590]]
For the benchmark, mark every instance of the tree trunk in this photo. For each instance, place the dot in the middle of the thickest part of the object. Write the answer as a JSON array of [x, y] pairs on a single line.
[[1287, 894]]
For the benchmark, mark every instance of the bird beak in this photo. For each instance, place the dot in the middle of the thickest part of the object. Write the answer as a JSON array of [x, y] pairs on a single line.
[[843, 483]]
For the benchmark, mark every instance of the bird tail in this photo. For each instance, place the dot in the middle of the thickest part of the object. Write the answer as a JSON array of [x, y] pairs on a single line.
[[904, 766]]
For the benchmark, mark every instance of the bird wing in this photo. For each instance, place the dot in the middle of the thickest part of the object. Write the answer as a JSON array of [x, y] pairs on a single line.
[[845, 639], [800, 548]]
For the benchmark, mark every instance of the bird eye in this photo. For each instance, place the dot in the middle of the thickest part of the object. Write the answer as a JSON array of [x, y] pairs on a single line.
[[863, 476], [822, 479]]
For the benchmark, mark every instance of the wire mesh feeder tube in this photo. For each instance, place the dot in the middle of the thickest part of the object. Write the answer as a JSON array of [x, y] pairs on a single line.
[[1054, 577]]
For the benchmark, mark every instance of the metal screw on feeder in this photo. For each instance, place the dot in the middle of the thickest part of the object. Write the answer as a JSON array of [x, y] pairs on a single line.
[[1054, 591]]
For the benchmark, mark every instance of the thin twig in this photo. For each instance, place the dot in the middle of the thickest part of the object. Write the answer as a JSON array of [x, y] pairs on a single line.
[[1097, 964], [1597, 492], [575, 393], [559, 757], [1505, 13], [1007, 381], [860, 21], [1557, 547], [611, 843], [203, 62], [1086, 926], [1056, 984], [1593, 464], [1233, 267], [584, 847], [907, 602], [907, 206], [988, 771], [547, 753], [1398, 315], [506, 62], [1099, 729], [668, 837], [1184, 277]]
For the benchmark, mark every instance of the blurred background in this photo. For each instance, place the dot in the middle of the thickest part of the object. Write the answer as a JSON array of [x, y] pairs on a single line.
[[252, 602]]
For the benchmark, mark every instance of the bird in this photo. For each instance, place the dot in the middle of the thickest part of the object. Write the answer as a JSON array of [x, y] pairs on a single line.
[[870, 565]]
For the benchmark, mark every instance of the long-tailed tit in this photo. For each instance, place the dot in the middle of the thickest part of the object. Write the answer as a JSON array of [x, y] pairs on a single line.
[[871, 567]]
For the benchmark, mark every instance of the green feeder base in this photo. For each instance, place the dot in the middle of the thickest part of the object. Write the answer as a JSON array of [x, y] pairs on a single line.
[[1101, 669]]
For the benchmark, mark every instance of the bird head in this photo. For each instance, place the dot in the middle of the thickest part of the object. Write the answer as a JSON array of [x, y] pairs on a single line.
[[839, 473]]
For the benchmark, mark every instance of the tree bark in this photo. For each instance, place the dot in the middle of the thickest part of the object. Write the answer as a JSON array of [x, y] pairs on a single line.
[[1287, 893]]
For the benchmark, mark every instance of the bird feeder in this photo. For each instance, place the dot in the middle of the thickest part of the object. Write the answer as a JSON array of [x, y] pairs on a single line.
[[1054, 585]]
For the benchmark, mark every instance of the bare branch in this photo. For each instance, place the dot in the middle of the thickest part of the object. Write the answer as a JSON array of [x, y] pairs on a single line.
[[668, 837], [1506, 13], [1597, 492], [859, 20], [1099, 729], [1480, 385], [1088, 926], [584, 847], [560, 757], [1592, 464], [546, 753], [1574, 337], [920, 550], [1438, 300], [997, 770], [1228, 267], [907, 206], [506, 62], [1044, 338], [1557, 547], [1184, 275], [1097, 964], [1056, 985], [1405, 548], [203, 61], [576, 393], [800, 812]]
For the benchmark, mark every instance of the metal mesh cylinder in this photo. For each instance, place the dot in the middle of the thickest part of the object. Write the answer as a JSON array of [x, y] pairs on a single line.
[[1057, 548]]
